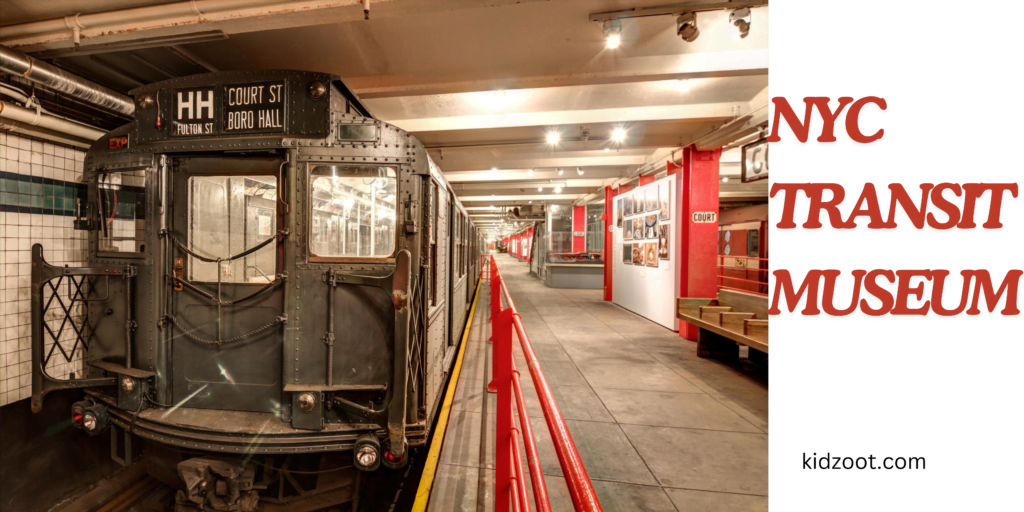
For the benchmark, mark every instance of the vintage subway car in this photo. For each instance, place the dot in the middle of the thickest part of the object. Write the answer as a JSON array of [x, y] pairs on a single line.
[[270, 270]]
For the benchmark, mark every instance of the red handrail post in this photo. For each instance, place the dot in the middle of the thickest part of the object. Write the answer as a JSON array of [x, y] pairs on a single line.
[[496, 284], [502, 371]]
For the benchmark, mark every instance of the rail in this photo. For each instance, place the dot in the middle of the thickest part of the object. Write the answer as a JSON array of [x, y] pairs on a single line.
[[510, 482], [734, 273]]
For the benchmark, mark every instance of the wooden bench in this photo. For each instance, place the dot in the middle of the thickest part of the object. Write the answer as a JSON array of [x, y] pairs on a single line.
[[728, 321]]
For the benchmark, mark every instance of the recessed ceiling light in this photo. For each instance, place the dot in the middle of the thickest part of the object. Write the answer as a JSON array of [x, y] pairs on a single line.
[[558, 190], [530, 172], [725, 179], [540, 189], [553, 137]]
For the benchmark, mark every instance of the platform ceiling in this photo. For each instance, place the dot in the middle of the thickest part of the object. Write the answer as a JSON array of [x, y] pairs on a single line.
[[480, 82]]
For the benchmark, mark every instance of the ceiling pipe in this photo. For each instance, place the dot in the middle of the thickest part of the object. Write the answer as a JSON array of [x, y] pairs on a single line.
[[38, 118], [51, 77], [195, 12]]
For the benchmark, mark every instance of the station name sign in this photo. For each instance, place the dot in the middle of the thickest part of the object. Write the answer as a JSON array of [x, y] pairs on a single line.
[[250, 108]]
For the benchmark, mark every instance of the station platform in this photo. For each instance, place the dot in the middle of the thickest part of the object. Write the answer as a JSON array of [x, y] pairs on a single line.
[[658, 428]]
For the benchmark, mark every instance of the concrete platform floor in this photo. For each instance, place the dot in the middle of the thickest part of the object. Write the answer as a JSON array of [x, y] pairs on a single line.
[[658, 428]]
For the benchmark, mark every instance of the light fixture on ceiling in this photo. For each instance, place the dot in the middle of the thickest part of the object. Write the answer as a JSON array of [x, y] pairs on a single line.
[[619, 135], [530, 172], [558, 190], [579, 170], [725, 179], [740, 21], [612, 34], [553, 137], [540, 189], [531, 201], [686, 27], [560, 172], [607, 150]]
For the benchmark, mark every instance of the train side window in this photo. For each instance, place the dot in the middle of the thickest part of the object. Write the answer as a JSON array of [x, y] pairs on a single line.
[[433, 243], [122, 212], [229, 215], [352, 212]]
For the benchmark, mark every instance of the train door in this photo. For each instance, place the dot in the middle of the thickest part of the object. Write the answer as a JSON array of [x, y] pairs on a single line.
[[226, 303]]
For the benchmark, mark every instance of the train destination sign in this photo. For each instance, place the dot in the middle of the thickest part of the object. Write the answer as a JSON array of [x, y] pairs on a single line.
[[255, 107]]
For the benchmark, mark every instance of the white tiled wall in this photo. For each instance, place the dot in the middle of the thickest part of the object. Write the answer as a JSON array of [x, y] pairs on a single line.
[[61, 245]]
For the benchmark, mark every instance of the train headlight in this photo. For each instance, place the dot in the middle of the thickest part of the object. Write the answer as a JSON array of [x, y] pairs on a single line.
[[307, 401], [89, 422], [317, 89], [128, 385], [89, 416], [366, 456], [366, 453]]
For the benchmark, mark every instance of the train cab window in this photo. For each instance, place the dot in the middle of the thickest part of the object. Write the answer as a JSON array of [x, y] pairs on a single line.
[[122, 209], [229, 215], [353, 212]]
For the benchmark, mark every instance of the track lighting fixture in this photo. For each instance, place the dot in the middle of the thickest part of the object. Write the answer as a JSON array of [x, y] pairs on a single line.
[[579, 170], [686, 27], [612, 34], [740, 21], [560, 172]]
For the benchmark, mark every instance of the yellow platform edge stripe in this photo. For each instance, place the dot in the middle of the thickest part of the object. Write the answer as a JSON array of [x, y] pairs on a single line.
[[434, 455]]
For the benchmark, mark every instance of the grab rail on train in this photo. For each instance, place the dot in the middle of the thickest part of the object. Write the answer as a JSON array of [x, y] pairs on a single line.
[[509, 482]]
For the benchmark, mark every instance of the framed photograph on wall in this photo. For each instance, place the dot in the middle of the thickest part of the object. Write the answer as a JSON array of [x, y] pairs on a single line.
[[627, 229], [663, 241], [638, 254], [627, 254], [652, 198], [651, 227], [618, 213], [638, 228], [638, 204], [651, 254], [665, 191], [628, 202]]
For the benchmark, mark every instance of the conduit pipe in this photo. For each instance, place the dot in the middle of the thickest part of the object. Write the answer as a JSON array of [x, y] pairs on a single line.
[[19, 64], [38, 118], [153, 17]]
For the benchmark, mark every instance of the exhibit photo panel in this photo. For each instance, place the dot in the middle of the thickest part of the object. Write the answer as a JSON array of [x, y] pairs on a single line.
[[646, 279]]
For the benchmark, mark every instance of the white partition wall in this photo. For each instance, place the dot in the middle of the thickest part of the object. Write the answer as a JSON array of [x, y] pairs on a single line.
[[647, 288]]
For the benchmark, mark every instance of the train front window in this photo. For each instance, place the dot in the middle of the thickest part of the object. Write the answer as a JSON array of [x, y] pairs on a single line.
[[229, 215], [353, 212], [122, 209]]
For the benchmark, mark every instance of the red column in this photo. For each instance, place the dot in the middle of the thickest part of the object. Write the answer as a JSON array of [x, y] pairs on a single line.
[[579, 225], [697, 190], [609, 240], [646, 179]]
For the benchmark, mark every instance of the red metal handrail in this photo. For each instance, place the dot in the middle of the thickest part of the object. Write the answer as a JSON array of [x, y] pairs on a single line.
[[760, 287], [506, 383]]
